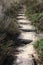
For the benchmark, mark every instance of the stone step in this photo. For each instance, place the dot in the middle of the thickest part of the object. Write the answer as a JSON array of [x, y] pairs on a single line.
[[23, 21], [23, 60], [21, 14], [27, 36], [21, 17], [28, 27]]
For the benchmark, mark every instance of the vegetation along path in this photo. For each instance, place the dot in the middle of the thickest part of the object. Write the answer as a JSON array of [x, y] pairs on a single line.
[[28, 37]]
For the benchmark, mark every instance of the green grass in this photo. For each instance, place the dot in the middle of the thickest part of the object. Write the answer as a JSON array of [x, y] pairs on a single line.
[[39, 47], [35, 14]]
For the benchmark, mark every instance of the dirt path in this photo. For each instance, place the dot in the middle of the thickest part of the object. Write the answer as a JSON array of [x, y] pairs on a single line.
[[28, 36]]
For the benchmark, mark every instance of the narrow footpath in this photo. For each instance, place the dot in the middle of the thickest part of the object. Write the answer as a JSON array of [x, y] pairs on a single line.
[[28, 36]]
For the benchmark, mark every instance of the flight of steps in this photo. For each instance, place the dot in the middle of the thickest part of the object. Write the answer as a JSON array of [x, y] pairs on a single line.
[[27, 36], [27, 29]]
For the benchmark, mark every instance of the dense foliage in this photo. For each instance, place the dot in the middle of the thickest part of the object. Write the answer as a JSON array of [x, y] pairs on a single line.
[[8, 27]]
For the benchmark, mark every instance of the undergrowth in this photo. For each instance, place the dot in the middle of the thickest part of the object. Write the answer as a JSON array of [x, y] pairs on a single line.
[[39, 47], [35, 14]]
